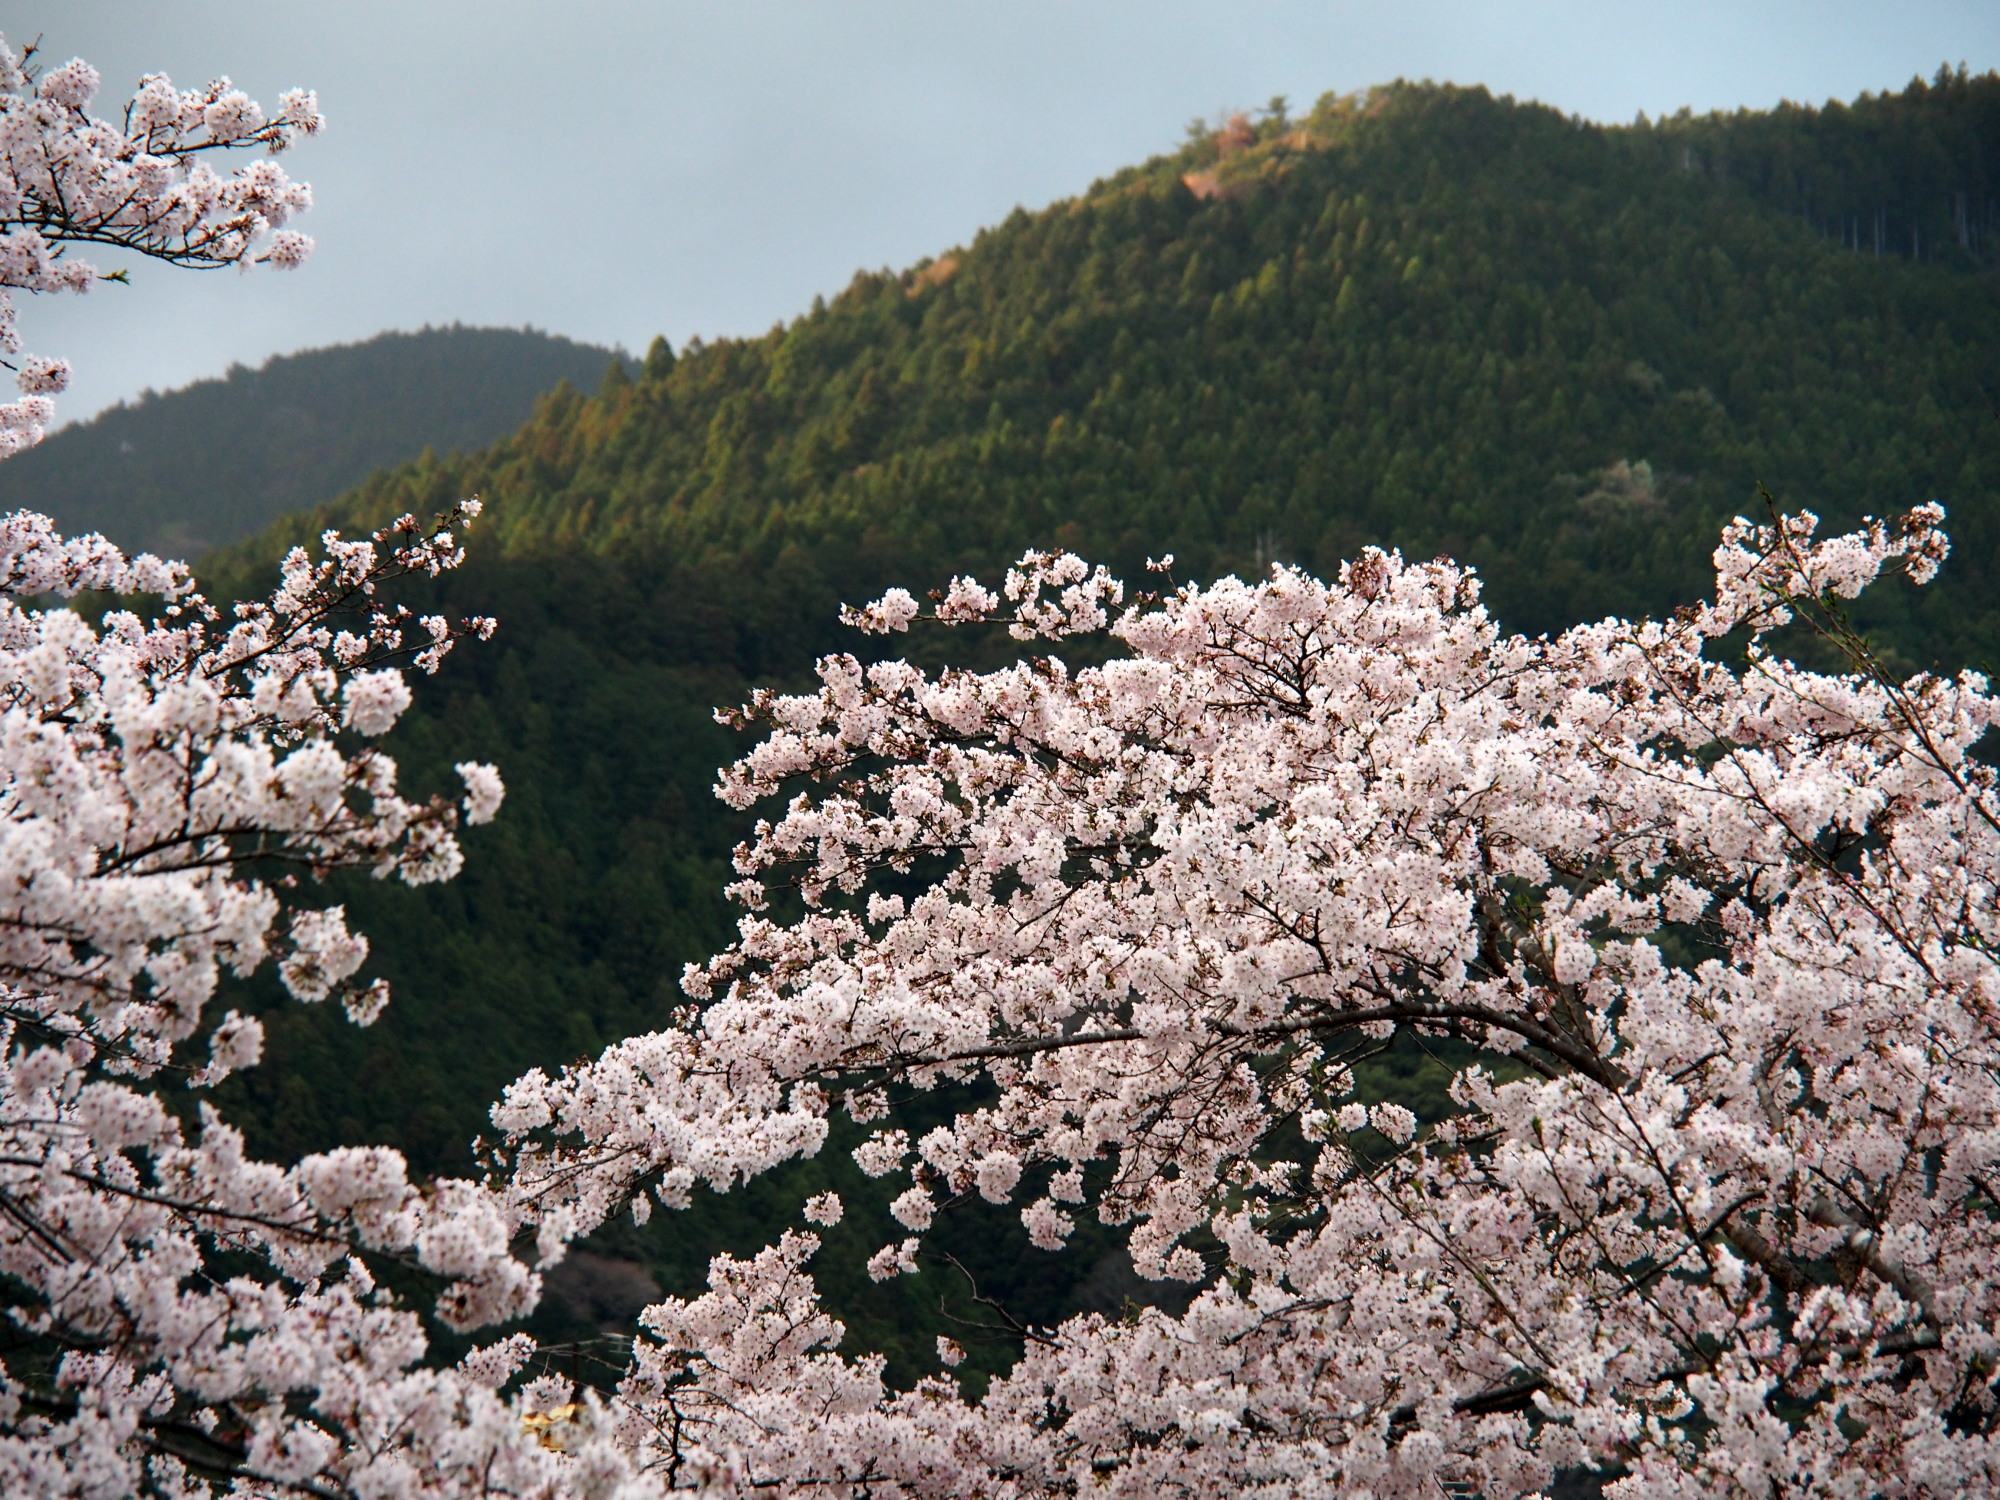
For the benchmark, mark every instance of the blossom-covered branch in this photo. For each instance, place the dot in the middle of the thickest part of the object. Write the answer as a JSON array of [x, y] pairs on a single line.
[[153, 777], [142, 184], [1713, 1208], [183, 1319]]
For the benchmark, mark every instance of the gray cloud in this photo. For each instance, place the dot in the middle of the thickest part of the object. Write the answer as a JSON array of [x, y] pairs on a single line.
[[612, 169]]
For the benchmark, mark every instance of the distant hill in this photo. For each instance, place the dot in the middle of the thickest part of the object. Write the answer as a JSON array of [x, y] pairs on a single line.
[[182, 472]]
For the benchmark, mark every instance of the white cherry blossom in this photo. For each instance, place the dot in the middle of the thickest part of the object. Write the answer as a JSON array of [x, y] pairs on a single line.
[[142, 183], [153, 778], [185, 1320], [1714, 933]]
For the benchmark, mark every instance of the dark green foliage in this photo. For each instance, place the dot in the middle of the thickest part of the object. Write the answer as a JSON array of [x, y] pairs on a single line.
[[1423, 318], [198, 467], [1913, 175]]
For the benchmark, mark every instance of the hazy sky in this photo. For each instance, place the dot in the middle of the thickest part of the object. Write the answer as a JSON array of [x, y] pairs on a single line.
[[612, 169]]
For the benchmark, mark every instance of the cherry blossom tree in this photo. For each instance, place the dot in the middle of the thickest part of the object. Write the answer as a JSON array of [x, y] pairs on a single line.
[[1708, 936], [174, 782], [163, 789]]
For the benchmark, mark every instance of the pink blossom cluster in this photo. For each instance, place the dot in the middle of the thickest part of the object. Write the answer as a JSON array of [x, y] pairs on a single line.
[[143, 764], [142, 184], [1715, 1208], [183, 1314]]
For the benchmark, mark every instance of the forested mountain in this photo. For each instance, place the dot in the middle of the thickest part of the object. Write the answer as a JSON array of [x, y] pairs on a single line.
[[1421, 317], [181, 472]]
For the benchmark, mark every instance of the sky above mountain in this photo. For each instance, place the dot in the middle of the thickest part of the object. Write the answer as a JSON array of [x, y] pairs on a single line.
[[613, 169]]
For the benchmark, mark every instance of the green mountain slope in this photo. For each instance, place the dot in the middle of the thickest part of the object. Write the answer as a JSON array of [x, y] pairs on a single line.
[[1423, 317], [198, 467]]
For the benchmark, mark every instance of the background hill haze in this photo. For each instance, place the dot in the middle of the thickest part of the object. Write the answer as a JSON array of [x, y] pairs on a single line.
[[182, 472]]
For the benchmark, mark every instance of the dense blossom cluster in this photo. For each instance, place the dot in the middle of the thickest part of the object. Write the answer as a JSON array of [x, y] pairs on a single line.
[[154, 780], [1715, 944], [142, 184]]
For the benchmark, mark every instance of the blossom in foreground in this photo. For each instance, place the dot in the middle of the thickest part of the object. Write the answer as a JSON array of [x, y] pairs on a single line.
[[1716, 943], [173, 780], [180, 1310]]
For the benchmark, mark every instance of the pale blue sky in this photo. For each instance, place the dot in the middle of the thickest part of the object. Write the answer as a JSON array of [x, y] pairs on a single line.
[[612, 169]]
